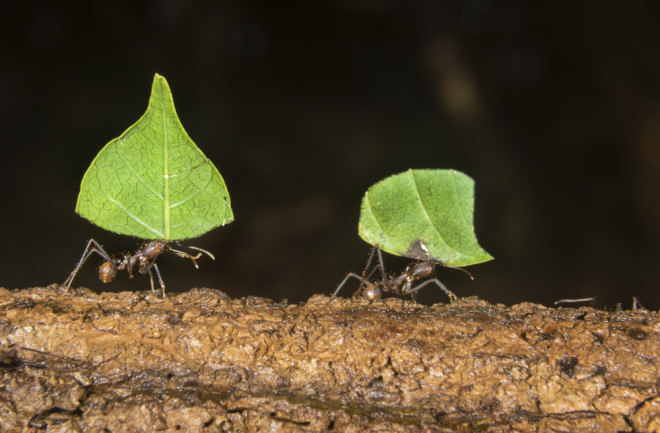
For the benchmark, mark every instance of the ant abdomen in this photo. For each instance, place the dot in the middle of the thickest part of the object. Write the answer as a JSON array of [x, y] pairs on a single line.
[[107, 272], [373, 292]]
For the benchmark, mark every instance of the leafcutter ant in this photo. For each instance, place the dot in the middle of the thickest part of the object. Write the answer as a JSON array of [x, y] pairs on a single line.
[[420, 272], [144, 259]]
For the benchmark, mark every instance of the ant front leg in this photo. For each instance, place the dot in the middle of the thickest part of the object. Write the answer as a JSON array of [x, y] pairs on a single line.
[[414, 290], [194, 258], [92, 247]]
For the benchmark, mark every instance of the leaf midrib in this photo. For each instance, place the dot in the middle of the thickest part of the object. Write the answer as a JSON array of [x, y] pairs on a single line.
[[166, 168]]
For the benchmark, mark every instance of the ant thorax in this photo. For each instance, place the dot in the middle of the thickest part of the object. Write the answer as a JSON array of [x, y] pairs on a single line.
[[402, 284]]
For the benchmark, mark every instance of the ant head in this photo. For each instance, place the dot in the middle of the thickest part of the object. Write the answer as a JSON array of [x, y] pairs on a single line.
[[373, 292], [107, 272], [422, 269], [154, 248]]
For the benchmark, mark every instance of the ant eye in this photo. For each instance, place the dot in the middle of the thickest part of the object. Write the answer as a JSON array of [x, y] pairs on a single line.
[[107, 272], [373, 292]]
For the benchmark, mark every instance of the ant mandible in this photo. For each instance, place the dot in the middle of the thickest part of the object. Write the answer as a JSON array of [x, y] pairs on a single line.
[[402, 284], [144, 258]]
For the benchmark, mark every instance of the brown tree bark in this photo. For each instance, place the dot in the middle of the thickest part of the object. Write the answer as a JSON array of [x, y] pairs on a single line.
[[199, 361]]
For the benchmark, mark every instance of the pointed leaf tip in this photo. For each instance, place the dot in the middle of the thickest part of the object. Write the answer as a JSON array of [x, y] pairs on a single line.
[[153, 182], [424, 215]]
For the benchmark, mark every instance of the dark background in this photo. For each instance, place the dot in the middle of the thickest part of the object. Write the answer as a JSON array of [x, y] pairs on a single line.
[[553, 109]]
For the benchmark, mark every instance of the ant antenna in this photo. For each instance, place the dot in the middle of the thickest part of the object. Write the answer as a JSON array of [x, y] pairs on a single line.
[[208, 253], [459, 269]]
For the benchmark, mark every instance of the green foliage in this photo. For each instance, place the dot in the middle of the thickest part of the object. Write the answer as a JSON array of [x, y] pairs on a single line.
[[153, 182], [424, 215]]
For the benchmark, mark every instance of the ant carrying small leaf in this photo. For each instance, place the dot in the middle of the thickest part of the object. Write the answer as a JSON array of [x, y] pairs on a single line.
[[402, 284], [144, 259]]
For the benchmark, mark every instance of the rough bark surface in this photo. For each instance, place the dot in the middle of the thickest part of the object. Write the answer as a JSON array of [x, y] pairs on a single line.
[[200, 361]]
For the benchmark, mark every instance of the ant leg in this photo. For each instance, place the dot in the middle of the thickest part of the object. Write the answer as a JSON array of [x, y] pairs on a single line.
[[452, 296], [151, 280], [368, 277], [349, 275], [366, 268], [382, 263], [160, 279], [92, 247]]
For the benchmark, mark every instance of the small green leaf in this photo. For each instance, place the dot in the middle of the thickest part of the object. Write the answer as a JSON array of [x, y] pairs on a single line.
[[424, 215], [153, 182]]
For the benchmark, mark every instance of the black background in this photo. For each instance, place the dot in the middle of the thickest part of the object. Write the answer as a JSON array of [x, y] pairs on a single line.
[[553, 109]]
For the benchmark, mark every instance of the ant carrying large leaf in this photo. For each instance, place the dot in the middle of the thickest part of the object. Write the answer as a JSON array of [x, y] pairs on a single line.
[[415, 277], [151, 182], [425, 215], [144, 259]]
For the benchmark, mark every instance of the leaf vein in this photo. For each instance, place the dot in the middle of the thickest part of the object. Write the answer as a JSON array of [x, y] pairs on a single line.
[[134, 172], [119, 205], [382, 230], [199, 191], [428, 217]]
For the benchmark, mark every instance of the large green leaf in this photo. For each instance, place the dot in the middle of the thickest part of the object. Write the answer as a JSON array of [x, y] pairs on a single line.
[[153, 182], [425, 215]]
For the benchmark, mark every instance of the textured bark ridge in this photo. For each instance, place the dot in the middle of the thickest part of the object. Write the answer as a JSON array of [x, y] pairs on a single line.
[[200, 361]]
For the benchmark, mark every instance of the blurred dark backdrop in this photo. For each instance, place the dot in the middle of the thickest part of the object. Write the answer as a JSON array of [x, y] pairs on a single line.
[[553, 109]]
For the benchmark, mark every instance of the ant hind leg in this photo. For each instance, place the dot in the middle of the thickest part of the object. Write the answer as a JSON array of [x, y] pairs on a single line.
[[92, 247], [365, 275], [349, 275]]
